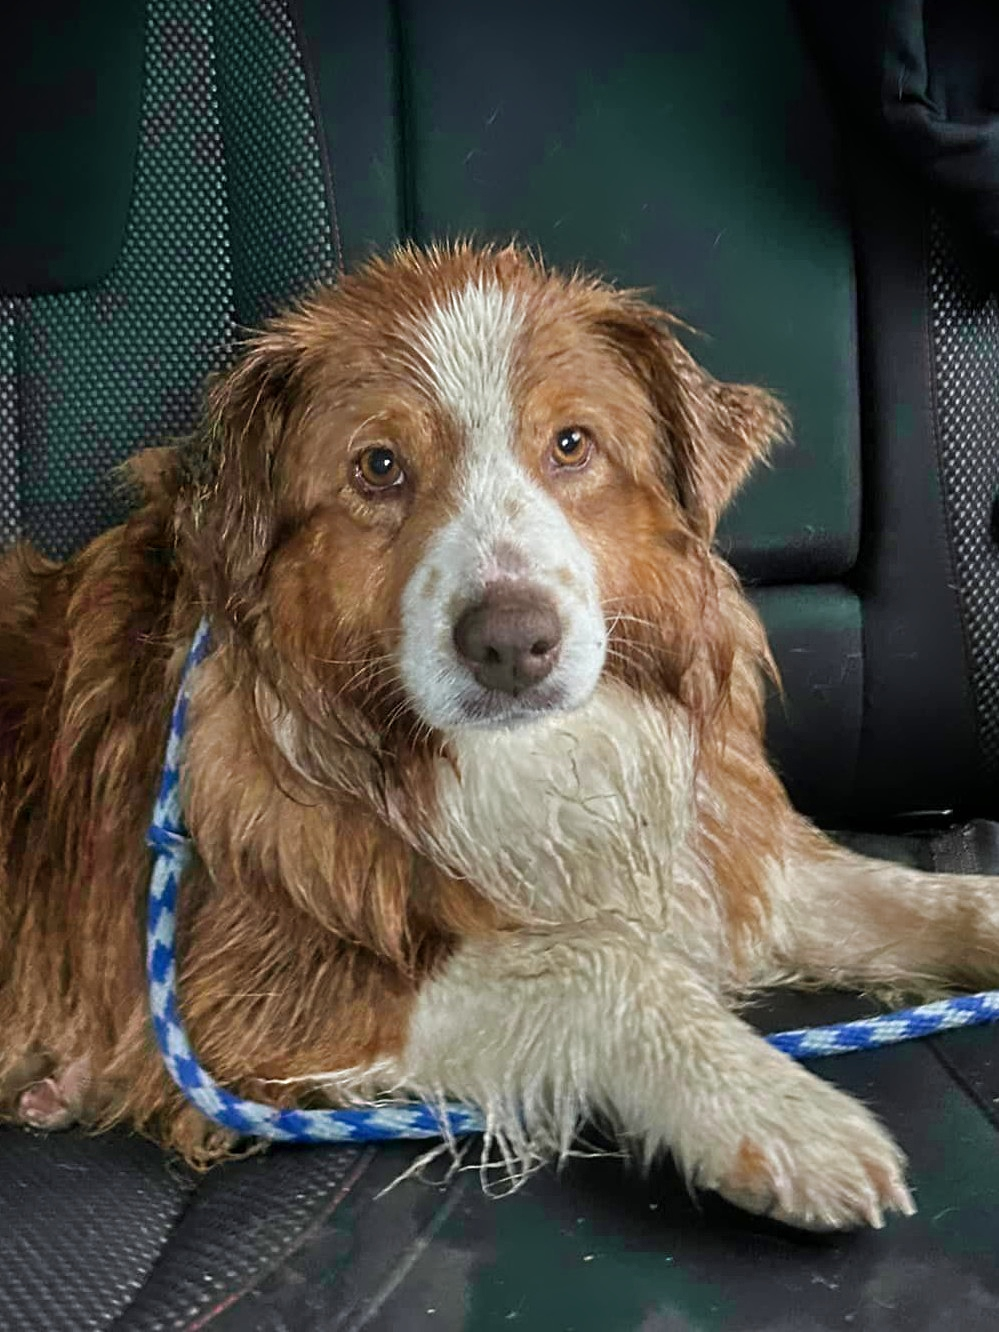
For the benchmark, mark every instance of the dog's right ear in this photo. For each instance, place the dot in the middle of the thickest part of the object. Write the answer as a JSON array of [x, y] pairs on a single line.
[[229, 521], [713, 433]]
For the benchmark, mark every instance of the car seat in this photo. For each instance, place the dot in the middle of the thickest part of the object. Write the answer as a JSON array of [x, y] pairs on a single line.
[[169, 173]]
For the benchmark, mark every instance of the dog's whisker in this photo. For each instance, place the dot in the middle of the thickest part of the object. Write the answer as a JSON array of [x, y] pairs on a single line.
[[251, 994], [350, 661], [376, 677], [392, 717], [351, 680], [418, 732], [620, 618], [396, 713], [630, 600], [631, 652]]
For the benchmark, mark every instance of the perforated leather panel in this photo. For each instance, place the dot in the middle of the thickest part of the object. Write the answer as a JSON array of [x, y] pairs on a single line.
[[279, 223], [965, 331], [10, 508], [244, 1220], [226, 132], [82, 1222]]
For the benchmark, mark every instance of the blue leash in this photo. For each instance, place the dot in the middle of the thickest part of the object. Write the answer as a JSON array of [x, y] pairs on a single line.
[[379, 1123], [172, 848]]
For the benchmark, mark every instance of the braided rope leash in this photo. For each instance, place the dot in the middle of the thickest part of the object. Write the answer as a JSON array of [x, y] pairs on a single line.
[[379, 1123], [172, 847]]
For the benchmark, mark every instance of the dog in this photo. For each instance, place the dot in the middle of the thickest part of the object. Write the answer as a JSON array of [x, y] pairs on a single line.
[[474, 770]]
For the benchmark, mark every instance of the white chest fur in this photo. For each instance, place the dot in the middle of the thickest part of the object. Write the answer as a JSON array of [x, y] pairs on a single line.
[[583, 814]]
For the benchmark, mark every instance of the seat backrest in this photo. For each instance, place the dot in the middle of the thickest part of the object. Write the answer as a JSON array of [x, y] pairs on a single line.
[[687, 148], [194, 201]]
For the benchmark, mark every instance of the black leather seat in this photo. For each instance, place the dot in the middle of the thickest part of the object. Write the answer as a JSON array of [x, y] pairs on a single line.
[[169, 176]]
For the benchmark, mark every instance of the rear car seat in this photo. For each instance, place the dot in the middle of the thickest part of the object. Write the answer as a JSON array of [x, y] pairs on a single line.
[[167, 176]]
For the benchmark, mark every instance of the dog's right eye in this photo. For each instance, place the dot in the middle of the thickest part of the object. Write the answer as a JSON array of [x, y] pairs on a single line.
[[572, 448], [378, 469]]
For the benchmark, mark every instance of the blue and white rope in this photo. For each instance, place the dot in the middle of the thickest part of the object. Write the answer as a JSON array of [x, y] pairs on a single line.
[[378, 1123], [168, 839], [905, 1024]]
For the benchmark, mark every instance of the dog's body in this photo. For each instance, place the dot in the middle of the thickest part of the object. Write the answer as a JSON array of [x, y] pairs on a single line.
[[474, 770]]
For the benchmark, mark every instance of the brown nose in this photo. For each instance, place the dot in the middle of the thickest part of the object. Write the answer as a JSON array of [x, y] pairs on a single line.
[[510, 639]]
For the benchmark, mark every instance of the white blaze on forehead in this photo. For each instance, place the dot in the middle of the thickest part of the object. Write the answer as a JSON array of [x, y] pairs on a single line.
[[467, 343]]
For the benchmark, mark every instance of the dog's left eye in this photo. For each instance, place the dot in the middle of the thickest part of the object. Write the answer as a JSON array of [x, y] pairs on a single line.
[[572, 447], [379, 469]]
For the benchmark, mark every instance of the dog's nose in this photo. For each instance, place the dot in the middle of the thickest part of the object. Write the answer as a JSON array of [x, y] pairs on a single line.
[[510, 639]]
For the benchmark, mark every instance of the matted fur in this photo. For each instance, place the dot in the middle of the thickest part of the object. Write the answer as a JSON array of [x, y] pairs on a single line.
[[551, 902]]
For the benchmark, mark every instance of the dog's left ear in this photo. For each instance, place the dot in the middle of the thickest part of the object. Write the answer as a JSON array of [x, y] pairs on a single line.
[[230, 516], [712, 433]]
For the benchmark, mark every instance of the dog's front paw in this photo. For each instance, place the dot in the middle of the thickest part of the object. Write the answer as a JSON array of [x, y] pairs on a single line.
[[810, 1156]]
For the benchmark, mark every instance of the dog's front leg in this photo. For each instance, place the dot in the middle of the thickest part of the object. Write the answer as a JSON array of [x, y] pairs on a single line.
[[541, 1027], [848, 920]]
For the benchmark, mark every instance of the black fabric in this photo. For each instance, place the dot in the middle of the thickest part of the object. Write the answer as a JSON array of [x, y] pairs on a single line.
[[350, 50], [82, 1223], [959, 848], [919, 747], [244, 1219], [108, 1232], [924, 76], [969, 848], [10, 428], [814, 719], [70, 78], [102, 371], [281, 215], [965, 350]]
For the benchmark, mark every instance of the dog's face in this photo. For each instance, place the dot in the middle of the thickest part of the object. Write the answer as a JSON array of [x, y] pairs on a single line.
[[455, 490]]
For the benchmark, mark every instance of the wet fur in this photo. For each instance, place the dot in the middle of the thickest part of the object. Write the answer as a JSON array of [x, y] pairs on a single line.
[[347, 928]]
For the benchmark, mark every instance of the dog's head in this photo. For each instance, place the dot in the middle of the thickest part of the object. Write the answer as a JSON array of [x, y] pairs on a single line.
[[456, 489]]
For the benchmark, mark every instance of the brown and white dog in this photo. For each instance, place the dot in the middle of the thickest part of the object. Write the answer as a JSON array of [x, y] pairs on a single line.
[[474, 771]]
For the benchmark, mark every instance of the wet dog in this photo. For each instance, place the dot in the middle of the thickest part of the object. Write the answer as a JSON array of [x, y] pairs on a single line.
[[474, 771]]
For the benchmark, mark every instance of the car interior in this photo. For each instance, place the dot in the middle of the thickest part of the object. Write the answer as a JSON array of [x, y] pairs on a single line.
[[811, 185]]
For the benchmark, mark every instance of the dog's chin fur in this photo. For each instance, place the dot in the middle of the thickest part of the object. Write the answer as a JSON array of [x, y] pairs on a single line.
[[552, 915]]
